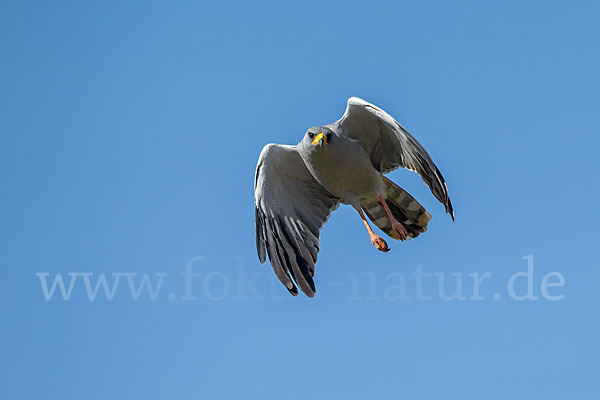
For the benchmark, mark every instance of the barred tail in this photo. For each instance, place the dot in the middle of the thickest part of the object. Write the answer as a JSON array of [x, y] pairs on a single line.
[[404, 208]]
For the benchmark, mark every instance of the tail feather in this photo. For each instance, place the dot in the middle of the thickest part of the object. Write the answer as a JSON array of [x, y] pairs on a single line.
[[404, 208]]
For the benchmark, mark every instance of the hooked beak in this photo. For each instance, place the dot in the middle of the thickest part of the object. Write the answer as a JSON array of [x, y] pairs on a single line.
[[320, 140]]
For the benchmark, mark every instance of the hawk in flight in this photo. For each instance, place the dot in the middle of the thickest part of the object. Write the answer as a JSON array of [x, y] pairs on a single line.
[[297, 187]]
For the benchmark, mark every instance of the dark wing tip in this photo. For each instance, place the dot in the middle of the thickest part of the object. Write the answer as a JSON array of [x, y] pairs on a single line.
[[260, 239], [309, 292], [445, 196], [449, 209], [293, 291]]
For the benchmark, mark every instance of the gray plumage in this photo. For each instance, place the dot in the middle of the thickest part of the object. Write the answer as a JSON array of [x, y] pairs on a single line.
[[298, 187]]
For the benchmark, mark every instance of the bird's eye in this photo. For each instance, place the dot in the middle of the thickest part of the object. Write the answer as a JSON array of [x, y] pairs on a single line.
[[311, 135]]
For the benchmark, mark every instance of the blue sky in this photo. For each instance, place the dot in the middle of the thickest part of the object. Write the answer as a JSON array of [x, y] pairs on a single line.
[[130, 134]]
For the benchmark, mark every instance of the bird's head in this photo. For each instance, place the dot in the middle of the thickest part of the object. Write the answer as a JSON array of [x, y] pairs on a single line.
[[317, 138]]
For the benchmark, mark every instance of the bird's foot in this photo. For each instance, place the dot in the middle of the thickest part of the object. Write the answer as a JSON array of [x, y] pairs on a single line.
[[379, 243], [400, 230]]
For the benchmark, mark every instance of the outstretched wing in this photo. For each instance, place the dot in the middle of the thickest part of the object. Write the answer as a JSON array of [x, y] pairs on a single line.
[[390, 146], [290, 209]]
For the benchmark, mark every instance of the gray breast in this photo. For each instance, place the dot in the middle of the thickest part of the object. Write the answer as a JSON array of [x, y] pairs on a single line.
[[345, 170]]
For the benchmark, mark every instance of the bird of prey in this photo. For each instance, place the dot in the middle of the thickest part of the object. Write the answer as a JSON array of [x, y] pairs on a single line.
[[296, 188]]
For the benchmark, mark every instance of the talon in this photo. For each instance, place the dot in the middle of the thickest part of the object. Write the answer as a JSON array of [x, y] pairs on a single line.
[[380, 244], [377, 241], [400, 230]]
